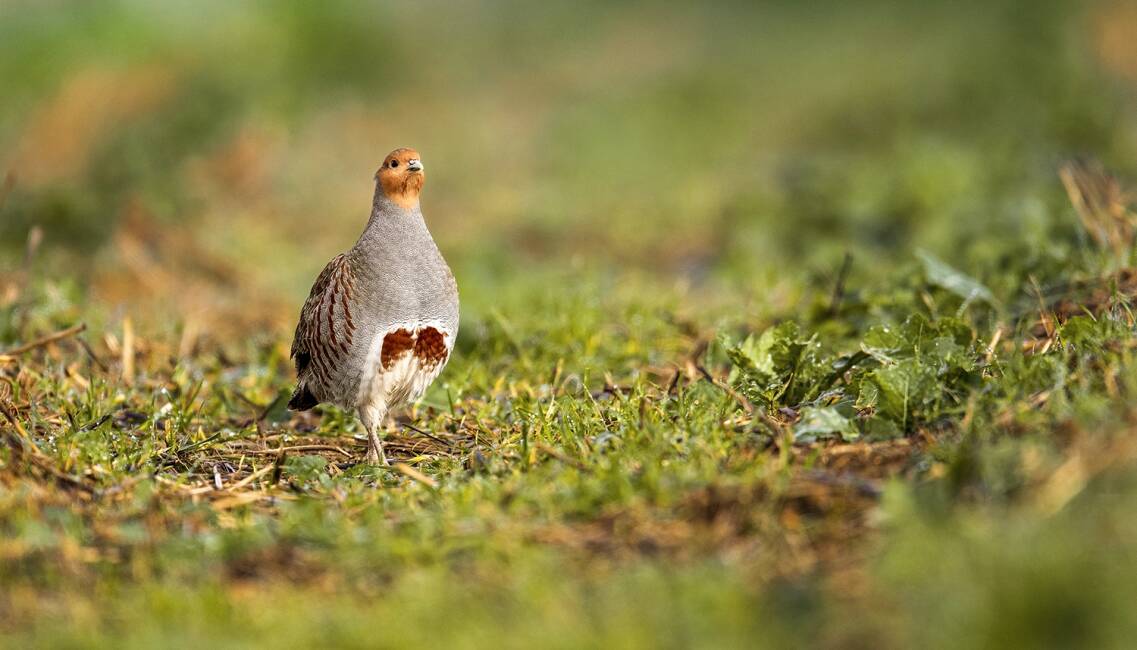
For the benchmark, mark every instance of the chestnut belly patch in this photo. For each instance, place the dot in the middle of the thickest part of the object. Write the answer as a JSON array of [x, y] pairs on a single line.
[[426, 344], [430, 347]]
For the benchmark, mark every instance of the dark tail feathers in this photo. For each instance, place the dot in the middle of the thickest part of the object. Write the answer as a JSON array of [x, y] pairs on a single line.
[[302, 399]]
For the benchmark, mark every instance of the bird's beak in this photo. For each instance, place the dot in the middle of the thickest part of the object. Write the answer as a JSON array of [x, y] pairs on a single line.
[[414, 165]]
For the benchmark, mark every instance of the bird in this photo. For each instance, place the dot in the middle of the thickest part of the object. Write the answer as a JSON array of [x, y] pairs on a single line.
[[380, 322]]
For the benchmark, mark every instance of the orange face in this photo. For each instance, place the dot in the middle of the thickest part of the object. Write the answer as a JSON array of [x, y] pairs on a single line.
[[401, 177]]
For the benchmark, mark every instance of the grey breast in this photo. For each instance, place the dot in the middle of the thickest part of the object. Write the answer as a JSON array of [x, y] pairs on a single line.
[[402, 280]]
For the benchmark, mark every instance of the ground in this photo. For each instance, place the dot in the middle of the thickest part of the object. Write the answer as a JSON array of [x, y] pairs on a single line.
[[761, 344]]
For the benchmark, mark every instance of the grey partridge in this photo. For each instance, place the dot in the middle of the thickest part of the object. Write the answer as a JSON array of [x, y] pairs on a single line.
[[380, 322]]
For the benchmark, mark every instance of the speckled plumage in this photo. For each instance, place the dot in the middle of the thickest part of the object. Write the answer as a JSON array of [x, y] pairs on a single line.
[[381, 319]]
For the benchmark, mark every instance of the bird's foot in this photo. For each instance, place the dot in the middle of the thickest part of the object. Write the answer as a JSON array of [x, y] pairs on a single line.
[[375, 456]]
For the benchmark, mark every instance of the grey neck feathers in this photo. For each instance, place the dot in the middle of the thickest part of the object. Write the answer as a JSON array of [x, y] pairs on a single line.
[[401, 273], [394, 228]]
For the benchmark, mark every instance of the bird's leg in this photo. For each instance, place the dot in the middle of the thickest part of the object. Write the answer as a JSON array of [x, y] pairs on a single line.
[[371, 421], [375, 454]]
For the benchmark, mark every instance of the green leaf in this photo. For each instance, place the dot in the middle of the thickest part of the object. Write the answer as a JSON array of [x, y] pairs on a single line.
[[824, 422], [868, 395], [941, 275], [884, 343], [306, 467], [882, 429], [779, 367], [905, 390], [277, 411]]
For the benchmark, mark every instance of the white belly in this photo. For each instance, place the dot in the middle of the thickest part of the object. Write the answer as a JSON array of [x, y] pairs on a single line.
[[391, 379]]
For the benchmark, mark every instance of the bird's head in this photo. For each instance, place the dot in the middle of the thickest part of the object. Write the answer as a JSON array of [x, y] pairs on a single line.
[[401, 177]]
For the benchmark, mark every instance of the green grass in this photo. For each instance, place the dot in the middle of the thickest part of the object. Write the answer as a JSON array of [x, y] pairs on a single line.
[[778, 327]]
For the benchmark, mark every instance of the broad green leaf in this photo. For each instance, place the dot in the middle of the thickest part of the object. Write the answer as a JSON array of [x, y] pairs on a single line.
[[824, 422], [884, 343], [906, 388]]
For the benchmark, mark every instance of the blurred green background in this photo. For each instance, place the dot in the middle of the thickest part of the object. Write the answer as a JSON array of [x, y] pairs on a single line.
[[723, 144], [609, 181]]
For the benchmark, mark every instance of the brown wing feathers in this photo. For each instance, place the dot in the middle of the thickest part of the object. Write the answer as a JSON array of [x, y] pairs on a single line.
[[322, 341]]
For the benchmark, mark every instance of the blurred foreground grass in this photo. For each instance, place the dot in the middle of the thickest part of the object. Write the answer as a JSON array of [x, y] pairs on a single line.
[[779, 326]]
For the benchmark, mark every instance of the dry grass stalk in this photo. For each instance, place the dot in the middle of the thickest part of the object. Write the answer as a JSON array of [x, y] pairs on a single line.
[[128, 351], [1102, 206], [414, 474], [46, 340]]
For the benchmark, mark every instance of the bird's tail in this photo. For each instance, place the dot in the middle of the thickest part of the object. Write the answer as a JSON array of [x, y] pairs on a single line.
[[302, 399]]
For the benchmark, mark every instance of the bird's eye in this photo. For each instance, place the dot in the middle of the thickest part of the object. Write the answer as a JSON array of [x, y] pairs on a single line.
[[394, 164]]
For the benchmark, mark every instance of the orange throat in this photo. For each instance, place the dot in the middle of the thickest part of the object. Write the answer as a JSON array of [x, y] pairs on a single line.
[[403, 189]]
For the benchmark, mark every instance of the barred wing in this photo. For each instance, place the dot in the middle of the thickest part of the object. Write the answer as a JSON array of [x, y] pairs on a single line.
[[324, 334]]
